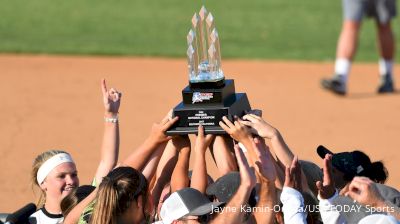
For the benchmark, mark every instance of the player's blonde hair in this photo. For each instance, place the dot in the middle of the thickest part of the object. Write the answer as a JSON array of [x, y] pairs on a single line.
[[37, 163]]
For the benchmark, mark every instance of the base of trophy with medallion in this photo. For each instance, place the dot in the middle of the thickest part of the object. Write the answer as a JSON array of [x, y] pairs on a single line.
[[209, 96]]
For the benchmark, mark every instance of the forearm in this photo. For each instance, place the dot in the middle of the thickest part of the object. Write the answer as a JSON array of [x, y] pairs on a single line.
[[164, 171], [109, 148], [280, 176], [249, 144], [151, 166], [285, 156], [199, 175], [267, 199], [179, 178], [282, 151], [165, 167], [75, 214], [141, 155], [223, 155], [234, 213]]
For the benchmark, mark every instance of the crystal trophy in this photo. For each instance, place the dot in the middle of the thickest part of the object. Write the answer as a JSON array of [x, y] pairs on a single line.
[[204, 58], [209, 96]]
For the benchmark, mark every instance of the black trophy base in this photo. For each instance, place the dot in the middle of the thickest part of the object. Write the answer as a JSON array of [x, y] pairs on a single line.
[[207, 85], [208, 116], [222, 95]]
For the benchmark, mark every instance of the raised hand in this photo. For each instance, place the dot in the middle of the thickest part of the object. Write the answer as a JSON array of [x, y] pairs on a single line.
[[111, 99], [326, 189], [293, 175], [157, 134], [258, 126], [202, 141], [236, 130], [264, 162], [365, 192], [247, 175]]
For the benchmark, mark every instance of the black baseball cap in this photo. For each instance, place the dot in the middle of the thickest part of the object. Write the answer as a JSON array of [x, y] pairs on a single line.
[[351, 163], [226, 186], [83, 191]]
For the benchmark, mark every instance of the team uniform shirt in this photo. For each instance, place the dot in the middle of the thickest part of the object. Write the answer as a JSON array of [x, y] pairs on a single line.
[[88, 211], [42, 216], [293, 206]]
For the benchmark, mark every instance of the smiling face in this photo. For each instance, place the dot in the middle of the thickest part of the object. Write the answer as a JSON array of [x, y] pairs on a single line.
[[60, 181]]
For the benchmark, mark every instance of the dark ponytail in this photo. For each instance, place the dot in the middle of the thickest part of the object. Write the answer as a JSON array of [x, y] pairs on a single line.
[[378, 172], [375, 171]]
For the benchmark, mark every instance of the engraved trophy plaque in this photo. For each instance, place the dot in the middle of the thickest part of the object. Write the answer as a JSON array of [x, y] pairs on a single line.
[[209, 96]]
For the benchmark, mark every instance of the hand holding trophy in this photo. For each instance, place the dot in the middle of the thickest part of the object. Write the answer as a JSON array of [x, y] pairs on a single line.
[[208, 97]]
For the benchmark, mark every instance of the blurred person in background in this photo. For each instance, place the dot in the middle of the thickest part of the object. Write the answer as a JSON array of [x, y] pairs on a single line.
[[383, 12]]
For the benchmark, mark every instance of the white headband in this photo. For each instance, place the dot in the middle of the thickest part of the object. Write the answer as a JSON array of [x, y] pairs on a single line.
[[50, 164]]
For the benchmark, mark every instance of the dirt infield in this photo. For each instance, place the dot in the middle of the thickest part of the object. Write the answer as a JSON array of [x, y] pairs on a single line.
[[55, 103]]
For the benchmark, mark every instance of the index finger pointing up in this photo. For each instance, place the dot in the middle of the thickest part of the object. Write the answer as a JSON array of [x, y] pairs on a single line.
[[328, 169], [103, 86]]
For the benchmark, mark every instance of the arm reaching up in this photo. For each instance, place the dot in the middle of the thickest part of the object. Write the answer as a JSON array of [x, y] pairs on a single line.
[[110, 145], [240, 133], [179, 178], [283, 153], [199, 175], [157, 137], [265, 170], [327, 193], [261, 128], [241, 197], [223, 154], [291, 197]]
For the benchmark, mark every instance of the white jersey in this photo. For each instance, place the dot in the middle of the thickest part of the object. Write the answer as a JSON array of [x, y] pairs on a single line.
[[42, 216]]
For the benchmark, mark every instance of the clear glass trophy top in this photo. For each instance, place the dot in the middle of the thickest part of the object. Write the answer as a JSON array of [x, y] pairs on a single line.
[[203, 53]]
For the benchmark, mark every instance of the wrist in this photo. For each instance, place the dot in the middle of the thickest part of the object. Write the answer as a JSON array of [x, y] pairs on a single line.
[[151, 142], [111, 118], [200, 151], [380, 204], [245, 187], [328, 197], [275, 134], [108, 114], [246, 140]]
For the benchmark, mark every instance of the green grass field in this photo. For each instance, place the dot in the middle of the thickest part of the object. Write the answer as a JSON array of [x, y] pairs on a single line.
[[272, 29]]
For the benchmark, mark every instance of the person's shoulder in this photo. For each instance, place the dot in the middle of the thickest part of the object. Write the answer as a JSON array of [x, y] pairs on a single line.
[[387, 189], [41, 216], [309, 167], [36, 214], [312, 172], [33, 219], [389, 193]]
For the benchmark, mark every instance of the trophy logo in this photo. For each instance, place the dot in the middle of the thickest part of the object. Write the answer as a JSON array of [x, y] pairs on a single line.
[[200, 97], [209, 96]]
